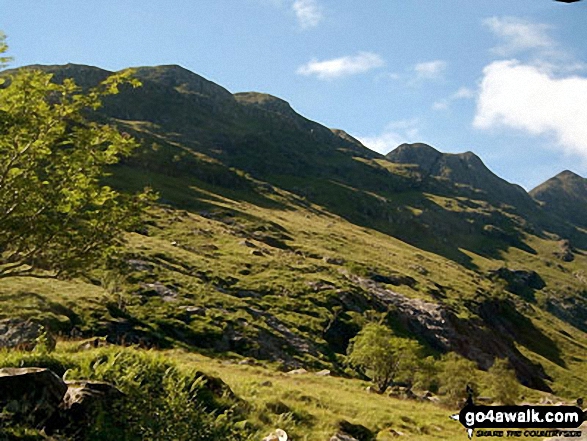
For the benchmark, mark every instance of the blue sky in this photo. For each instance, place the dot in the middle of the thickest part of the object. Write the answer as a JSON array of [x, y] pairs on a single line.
[[504, 79]]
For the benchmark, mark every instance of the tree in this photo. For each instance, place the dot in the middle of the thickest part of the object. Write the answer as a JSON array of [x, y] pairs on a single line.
[[504, 384], [458, 375], [381, 356], [56, 216]]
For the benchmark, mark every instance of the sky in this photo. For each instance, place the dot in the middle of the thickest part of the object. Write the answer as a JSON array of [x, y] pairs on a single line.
[[504, 79]]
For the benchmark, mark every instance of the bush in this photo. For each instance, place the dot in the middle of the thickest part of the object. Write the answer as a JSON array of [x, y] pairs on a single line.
[[456, 376], [504, 385], [382, 356], [162, 401]]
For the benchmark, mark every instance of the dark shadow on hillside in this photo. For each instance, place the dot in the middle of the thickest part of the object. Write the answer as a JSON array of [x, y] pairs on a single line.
[[43, 310], [505, 320]]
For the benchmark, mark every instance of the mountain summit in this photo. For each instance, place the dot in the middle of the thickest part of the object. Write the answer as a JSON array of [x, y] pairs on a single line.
[[565, 194], [463, 169]]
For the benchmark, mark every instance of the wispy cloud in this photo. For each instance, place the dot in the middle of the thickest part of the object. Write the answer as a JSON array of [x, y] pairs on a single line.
[[518, 35], [430, 70], [394, 134], [528, 98], [308, 12], [343, 66], [461, 94]]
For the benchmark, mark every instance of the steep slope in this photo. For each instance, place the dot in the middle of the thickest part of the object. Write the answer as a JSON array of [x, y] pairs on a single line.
[[278, 238], [464, 169], [566, 195]]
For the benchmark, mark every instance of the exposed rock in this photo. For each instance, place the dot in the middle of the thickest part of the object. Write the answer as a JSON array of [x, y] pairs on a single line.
[[92, 343], [519, 282], [348, 432], [140, 265], [394, 279], [321, 285], [277, 435], [247, 244], [23, 334], [29, 395], [565, 251], [334, 260], [160, 290], [479, 339], [83, 402], [300, 371], [339, 332], [323, 373]]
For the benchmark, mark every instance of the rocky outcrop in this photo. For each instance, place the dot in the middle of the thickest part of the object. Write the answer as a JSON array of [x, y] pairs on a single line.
[[38, 398], [83, 403], [481, 339], [23, 334], [29, 396], [520, 282], [352, 432]]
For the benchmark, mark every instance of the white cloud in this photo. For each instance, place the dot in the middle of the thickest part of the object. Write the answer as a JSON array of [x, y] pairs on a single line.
[[394, 134], [430, 70], [343, 66], [519, 35], [461, 94], [308, 12], [529, 98]]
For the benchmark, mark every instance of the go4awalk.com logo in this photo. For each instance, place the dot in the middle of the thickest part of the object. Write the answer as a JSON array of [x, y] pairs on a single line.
[[521, 421]]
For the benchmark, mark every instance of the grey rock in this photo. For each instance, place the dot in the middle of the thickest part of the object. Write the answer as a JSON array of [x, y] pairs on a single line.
[[29, 395], [22, 334]]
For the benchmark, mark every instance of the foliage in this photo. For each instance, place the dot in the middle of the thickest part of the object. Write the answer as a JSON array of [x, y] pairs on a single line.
[[55, 214], [162, 402], [503, 382], [382, 356], [456, 376]]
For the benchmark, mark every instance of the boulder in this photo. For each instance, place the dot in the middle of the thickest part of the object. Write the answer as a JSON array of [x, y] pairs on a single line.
[[29, 395], [348, 432], [83, 403], [518, 282], [23, 334], [277, 435]]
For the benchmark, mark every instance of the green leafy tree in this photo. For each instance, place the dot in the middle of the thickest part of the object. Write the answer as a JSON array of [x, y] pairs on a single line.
[[456, 376], [56, 216], [383, 357], [504, 384]]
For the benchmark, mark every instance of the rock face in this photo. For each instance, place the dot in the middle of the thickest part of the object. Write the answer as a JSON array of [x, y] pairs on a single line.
[[22, 334], [30, 395], [520, 282], [492, 334]]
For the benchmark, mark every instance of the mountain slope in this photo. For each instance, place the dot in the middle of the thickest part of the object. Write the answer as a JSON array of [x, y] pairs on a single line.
[[566, 195], [278, 238], [465, 169]]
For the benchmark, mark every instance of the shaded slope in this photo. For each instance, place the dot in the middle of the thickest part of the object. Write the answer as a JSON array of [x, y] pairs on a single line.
[[566, 195], [464, 169]]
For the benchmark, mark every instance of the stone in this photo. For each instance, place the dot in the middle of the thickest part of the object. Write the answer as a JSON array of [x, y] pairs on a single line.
[[23, 334], [82, 404], [354, 431], [277, 435], [300, 371], [323, 373], [30, 395]]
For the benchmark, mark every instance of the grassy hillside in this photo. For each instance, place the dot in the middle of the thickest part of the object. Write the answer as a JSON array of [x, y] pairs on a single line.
[[276, 240]]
